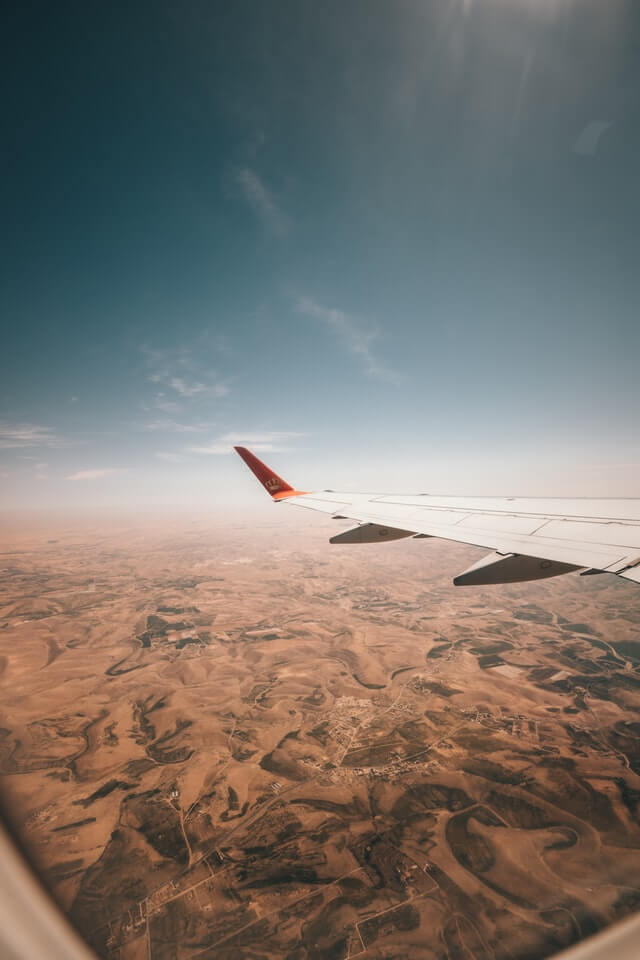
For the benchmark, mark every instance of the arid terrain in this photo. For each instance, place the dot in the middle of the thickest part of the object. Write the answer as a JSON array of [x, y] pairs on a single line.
[[233, 740]]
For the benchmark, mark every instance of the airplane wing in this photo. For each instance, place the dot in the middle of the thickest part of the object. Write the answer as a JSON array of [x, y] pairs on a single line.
[[529, 539]]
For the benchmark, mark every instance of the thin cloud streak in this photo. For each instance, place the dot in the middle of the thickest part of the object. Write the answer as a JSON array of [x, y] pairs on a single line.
[[263, 202], [167, 406], [170, 457], [260, 442], [27, 435], [186, 389], [176, 370], [96, 474], [357, 341], [587, 143], [173, 426]]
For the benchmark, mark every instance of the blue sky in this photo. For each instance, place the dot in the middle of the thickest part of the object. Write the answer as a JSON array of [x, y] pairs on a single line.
[[391, 246]]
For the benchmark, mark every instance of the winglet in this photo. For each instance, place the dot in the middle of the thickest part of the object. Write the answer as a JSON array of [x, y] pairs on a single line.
[[275, 486]]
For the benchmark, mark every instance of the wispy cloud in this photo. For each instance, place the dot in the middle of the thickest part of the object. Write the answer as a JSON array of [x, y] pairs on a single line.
[[587, 143], [261, 442], [357, 340], [95, 474], [178, 371], [263, 202], [162, 403], [191, 389], [27, 435], [165, 425], [170, 457]]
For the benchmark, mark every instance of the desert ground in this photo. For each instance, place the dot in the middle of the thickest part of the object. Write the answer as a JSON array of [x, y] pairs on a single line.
[[225, 738]]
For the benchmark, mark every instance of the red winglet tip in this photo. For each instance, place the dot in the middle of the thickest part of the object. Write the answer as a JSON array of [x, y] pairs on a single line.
[[275, 486]]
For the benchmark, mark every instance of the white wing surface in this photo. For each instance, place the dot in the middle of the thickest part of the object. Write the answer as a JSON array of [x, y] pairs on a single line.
[[529, 538]]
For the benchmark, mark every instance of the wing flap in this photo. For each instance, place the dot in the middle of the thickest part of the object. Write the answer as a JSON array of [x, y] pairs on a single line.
[[594, 531], [631, 573]]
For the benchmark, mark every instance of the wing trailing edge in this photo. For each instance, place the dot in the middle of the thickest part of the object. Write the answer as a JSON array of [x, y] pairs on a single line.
[[631, 573]]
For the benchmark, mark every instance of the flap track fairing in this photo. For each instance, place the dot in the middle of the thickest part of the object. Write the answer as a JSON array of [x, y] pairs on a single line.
[[511, 568], [370, 533]]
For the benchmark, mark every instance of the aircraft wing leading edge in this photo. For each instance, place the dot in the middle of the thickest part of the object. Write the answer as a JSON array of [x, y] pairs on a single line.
[[529, 538]]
